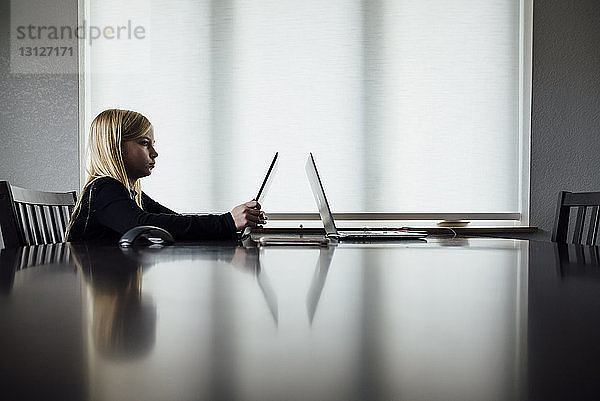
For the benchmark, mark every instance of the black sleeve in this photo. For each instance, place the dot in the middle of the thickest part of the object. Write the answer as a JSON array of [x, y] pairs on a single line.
[[151, 206], [114, 209]]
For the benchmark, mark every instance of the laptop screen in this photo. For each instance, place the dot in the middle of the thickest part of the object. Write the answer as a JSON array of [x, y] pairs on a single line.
[[266, 184], [319, 193]]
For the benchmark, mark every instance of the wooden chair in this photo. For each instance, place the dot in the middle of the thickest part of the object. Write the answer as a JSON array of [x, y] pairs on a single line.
[[29, 217], [585, 228]]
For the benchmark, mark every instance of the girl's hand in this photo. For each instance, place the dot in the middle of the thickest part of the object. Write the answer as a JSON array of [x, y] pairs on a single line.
[[248, 215]]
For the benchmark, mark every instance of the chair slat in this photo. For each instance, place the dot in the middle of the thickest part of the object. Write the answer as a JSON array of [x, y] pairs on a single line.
[[23, 258], [56, 225], [579, 221], [593, 227], [59, 223], [32, 254], [51, 224], [30, 224], [39, 260], [23, 223], [579, 254], [588, 255], [60, 231], [68, 214], [60, 251], [33, 224], [65, 216], [561, 219], [42, 224], [595, 256], [66, 254], [51, 255], [48, 253]]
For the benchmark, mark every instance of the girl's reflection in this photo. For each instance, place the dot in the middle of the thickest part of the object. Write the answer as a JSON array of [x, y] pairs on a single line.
[[123, 322]]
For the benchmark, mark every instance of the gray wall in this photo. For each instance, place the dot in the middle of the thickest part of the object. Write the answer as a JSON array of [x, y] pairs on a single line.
[[565, 150], [38, 120], [39, 113]]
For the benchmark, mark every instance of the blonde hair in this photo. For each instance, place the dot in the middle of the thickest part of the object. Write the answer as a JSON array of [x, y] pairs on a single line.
[[109, 130]]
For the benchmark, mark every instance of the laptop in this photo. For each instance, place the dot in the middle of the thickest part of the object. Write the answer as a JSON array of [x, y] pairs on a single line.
[[327, 217], [266, 184], [264, 188]]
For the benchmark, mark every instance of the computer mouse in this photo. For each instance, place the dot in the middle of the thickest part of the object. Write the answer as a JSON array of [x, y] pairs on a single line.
[[146, 236]]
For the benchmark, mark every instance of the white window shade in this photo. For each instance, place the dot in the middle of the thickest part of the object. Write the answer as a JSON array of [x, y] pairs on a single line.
[[408, 106]]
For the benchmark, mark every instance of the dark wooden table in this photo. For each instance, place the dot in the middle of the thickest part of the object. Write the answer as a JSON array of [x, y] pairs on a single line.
[[446, 319]]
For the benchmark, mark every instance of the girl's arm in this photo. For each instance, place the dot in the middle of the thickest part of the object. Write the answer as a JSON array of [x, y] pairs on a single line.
[[113, 208], [151, 206]]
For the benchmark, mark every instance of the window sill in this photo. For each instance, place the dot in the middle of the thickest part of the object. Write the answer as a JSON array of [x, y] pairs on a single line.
[[474, 230]]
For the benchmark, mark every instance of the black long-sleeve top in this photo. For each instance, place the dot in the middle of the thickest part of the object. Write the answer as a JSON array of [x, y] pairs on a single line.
[[108, 210]]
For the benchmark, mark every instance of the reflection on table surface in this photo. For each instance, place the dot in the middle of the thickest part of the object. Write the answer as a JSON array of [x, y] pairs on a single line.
[[449, 319]]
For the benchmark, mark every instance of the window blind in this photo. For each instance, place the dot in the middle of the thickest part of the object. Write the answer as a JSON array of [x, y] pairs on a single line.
[[408, 106]]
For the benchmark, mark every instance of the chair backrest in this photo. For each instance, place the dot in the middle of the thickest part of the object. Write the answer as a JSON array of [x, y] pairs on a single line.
[[585, 226], [29, 217]]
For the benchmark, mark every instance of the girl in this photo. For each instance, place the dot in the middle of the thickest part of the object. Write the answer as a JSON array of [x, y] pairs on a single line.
[[122, 151]]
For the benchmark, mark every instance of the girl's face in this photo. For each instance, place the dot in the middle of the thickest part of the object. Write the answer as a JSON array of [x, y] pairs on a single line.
[[139, 155]]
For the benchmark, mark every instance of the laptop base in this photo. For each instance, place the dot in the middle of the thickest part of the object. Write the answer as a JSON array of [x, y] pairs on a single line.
[[378, 235]]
